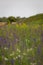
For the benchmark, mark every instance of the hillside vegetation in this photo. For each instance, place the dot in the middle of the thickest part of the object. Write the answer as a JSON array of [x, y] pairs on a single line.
[[22, 43], [32, 19]]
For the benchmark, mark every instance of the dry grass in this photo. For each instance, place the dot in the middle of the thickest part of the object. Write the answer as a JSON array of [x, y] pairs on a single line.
[[2, 23]]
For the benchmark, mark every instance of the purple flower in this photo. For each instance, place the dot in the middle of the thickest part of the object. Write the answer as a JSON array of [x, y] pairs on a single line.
[[0, 38], [8, 45], [4, 40], [12, 62], [39, 50]]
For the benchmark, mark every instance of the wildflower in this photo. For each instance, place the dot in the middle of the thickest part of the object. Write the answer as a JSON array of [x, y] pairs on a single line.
[[31, 49], [28, 50], [12, 61], [38, 50], [19, 55], [24, 53], [6, 59], [33, 63], [12, 54], [18, 50], [5, 48]]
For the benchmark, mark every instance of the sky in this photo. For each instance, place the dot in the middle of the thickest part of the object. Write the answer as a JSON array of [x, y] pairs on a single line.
[[22, 8]]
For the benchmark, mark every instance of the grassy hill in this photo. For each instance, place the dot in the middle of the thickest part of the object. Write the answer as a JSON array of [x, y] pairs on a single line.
[[22, 44], [35, 19]]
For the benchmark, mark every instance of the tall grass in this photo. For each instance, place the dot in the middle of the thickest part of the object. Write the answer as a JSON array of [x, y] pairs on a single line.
[[21, 44]]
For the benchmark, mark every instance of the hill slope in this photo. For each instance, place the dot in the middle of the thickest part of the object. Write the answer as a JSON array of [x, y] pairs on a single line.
[[34, 19]]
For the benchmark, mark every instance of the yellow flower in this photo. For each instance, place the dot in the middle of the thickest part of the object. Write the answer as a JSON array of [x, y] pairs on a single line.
[[17, 25]]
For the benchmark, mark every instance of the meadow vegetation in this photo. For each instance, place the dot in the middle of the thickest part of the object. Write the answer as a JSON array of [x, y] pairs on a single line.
[[22, 43]]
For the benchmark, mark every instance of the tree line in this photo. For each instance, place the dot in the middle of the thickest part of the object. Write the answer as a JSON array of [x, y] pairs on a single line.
[[10, 19]]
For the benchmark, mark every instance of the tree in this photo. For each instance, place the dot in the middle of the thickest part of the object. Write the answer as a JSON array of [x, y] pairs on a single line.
[[18, 18], [0, 19], [3, 19], [11, 19]]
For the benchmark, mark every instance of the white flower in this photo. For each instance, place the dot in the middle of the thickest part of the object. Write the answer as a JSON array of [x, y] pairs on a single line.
[[5, 58], [29, 49], [24, 53], [18, 50], [12, 54], [15, 57], [19, 55], [5, 48], [33, 63]]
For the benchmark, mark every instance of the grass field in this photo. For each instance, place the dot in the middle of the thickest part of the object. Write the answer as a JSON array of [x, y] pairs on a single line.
[[21, 44]]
